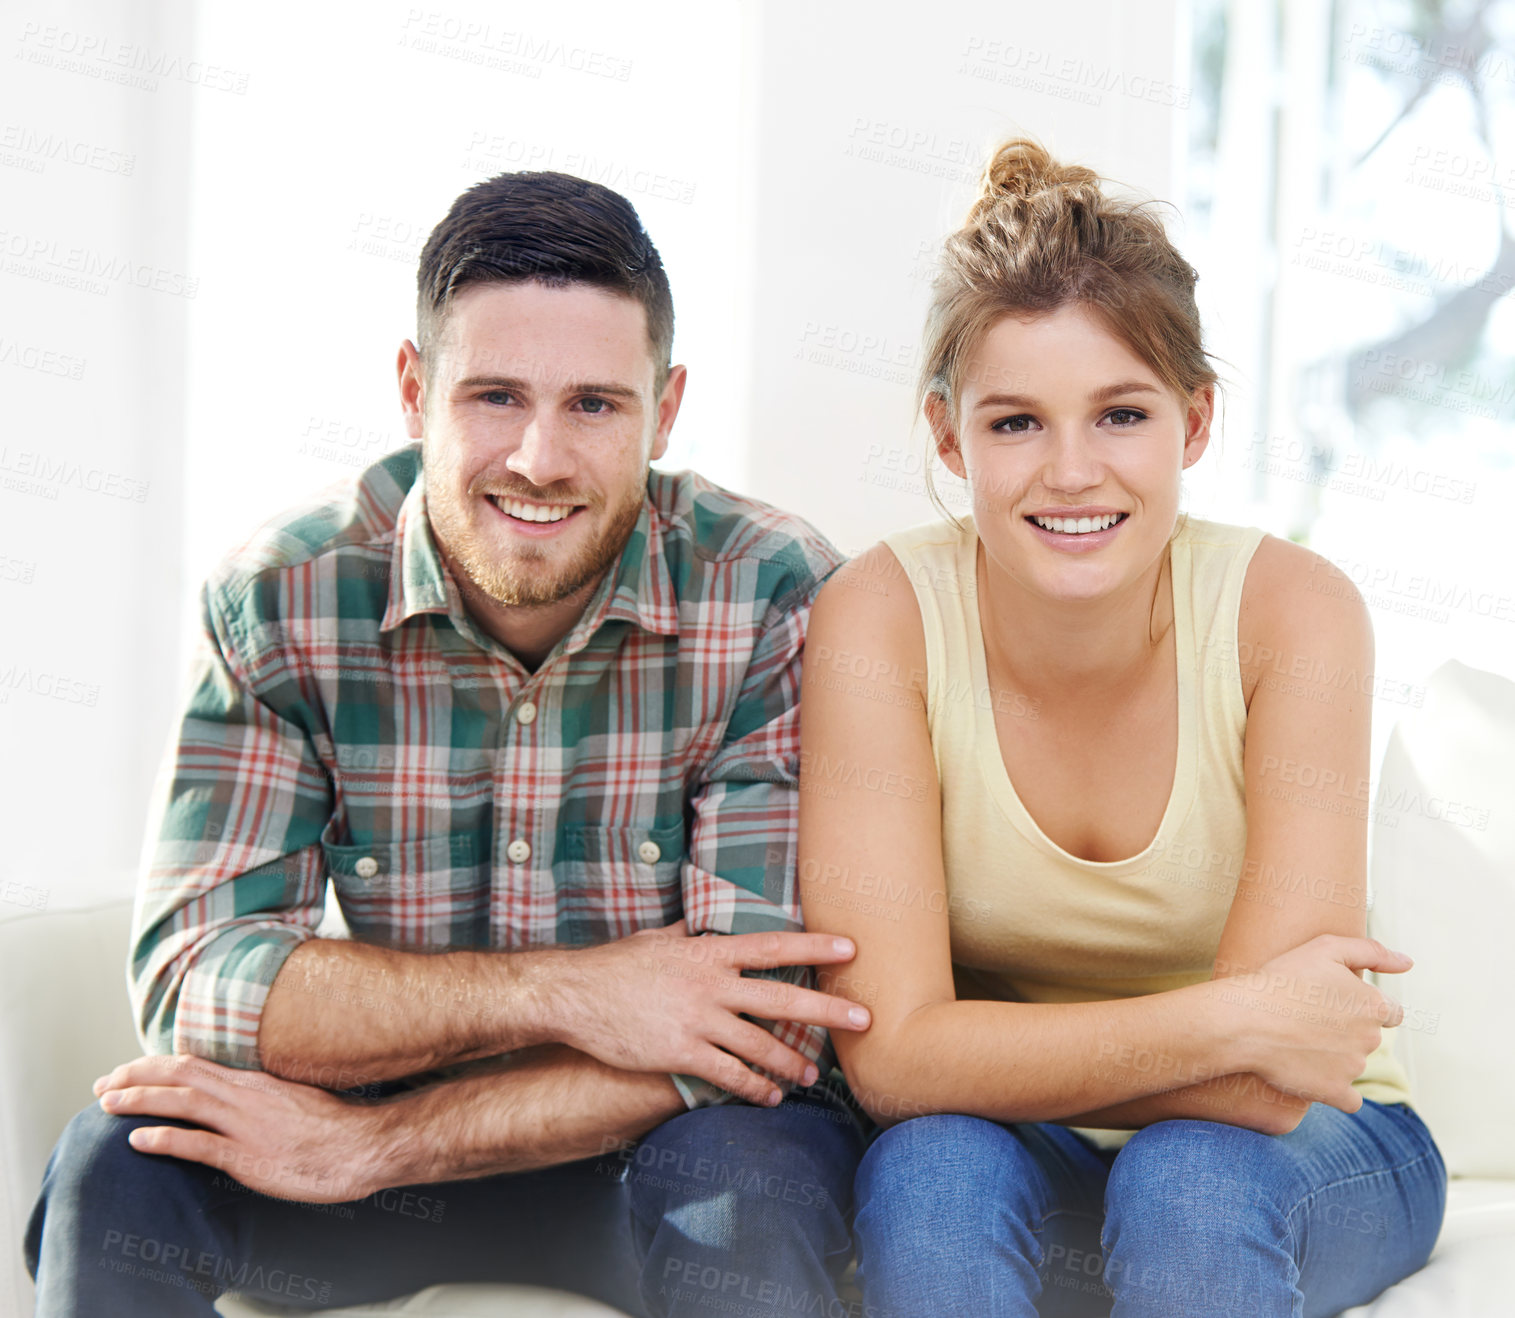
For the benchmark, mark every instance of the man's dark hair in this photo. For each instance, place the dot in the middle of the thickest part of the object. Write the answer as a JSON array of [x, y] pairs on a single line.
[[549, 228]]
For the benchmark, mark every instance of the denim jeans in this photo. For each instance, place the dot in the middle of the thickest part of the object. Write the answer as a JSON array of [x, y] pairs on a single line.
[[713, 1206], [957, 1215]]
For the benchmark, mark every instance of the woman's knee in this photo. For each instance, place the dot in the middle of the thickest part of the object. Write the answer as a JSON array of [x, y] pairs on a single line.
[[1197, 1175], [943, 1167]]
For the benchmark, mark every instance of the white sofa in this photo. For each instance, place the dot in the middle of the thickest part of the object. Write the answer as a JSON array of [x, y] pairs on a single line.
[[1444, 884]]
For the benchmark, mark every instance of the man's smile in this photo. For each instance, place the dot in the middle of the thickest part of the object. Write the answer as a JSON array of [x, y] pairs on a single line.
[[533, 518]]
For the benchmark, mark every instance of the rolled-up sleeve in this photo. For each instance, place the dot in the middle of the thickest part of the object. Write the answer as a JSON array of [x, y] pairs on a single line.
[[233, 878], [739, 870]]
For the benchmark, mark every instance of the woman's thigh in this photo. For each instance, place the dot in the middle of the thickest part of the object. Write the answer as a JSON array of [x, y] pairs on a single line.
[[958, 1215], [1203, 1217]]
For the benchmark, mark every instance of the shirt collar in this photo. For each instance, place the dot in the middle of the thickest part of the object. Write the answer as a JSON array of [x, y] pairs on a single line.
[[640, 586], [418, 579]]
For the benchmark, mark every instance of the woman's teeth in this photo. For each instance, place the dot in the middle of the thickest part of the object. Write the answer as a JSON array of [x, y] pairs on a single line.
[[532, 512], [1078, 525]]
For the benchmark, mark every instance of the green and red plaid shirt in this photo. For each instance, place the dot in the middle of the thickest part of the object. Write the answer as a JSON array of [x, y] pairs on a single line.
[[347, 718]]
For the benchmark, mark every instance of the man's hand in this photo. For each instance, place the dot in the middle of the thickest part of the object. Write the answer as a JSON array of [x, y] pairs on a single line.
[[661, 1000], [284, 1139]]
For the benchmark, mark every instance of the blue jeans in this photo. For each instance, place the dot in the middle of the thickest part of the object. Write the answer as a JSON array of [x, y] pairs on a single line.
[[957, 1215], [712, 1206]]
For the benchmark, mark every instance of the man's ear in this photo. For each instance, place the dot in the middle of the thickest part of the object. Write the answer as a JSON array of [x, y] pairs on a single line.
[[412, 388], [945, 437], [668, 409], [1200, 413]]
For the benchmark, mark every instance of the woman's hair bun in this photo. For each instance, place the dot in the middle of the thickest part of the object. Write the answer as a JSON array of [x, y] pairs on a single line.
[[1022, 168]]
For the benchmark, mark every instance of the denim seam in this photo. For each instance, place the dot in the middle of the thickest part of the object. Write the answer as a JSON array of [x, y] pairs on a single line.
[[1349, 1180]]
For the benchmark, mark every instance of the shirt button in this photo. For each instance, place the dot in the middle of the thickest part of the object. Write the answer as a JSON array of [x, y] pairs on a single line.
[[526, 713], [649, 852], [367, 867], [519, 850]]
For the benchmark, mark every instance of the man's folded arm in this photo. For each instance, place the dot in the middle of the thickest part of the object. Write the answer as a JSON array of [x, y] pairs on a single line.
[[739, 870], [225, 961], [233, 877], [533, 1108]]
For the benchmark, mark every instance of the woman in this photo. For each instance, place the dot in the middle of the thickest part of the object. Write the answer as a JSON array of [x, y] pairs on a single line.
[[1052, 786]]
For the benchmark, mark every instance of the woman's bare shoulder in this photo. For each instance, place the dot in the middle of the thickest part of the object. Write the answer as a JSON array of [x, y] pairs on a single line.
[[1299, 612], [1287, 583], [872, 588], [867, 616]]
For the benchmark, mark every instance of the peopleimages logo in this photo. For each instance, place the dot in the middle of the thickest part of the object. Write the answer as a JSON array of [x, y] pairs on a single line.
[[97, 55], [1419, 593], [49, 685], [38, 148], [173, 1264], [54, 472], [91, 271]]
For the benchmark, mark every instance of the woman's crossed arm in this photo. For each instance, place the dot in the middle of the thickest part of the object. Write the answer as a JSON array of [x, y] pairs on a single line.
[[871, 868]]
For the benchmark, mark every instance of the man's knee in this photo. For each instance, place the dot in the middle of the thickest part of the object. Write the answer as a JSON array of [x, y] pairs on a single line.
[[91, 1158], [94, 1170], [789, 1156], [94, 1148]]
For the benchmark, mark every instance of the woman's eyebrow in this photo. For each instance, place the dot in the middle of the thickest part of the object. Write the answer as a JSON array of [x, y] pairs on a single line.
[[1100, 395], [1124, 387]]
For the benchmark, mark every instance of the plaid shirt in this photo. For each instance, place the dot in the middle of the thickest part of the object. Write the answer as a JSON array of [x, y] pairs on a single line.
[[348, 718]]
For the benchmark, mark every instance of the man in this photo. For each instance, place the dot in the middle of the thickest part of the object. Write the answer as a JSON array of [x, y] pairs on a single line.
[[533, 708]]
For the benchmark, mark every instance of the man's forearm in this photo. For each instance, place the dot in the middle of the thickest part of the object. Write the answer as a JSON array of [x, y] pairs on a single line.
[[343, 1013], [540, 1107]]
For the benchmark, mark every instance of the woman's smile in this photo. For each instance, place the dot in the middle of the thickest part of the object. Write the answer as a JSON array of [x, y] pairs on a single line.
[[1076, 530]]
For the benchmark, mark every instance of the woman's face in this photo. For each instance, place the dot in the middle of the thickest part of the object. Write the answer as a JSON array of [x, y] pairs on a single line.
[[1072, 449]]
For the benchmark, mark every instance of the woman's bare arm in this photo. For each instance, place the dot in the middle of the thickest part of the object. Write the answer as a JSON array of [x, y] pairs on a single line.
[[871, 868], [1306, 649]]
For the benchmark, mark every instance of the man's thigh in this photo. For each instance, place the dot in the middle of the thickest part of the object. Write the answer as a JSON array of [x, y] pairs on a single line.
[[758, 1199], [114, 1221], [566, 1227]]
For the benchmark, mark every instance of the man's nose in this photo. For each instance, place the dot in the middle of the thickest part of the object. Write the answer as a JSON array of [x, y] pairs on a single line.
[[544, 454]]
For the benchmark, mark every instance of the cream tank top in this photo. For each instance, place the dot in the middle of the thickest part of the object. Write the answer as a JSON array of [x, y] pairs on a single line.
[[1029, 921]]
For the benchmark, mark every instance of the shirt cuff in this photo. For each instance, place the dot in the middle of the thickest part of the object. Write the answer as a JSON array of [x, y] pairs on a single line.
[[219, 1004], [700, 1093]]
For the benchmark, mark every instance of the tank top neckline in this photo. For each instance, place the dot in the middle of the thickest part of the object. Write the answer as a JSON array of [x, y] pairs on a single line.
[[986, 734]]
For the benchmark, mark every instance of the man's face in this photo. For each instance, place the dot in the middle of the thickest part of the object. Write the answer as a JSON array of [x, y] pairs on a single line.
[[538, 418]]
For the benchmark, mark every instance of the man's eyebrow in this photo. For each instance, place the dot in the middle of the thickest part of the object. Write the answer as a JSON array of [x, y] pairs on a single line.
[[1109, 391], [518, 385]]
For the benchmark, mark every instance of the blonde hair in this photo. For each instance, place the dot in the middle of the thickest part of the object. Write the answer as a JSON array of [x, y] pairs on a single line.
[[1041, 235]]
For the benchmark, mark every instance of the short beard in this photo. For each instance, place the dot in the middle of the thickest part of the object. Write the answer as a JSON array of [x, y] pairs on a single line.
[[512, 581]]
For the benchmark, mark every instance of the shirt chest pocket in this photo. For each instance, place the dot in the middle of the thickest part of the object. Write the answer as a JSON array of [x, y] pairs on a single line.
[[427, 892], [615, 881]]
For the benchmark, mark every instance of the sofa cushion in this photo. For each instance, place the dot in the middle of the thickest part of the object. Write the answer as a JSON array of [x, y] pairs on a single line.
[[1472, 1270], [471, 1301], [1443, 877], [64, 1019]]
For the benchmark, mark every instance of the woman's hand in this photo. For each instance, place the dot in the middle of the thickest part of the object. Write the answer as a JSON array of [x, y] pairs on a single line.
[[1309, 1020]]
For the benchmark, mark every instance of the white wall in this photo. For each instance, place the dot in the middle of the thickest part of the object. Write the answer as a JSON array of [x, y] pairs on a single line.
[[871, 132], [94, 293]]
